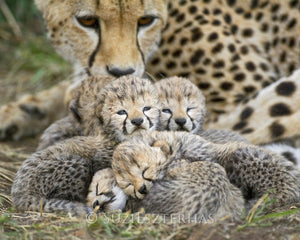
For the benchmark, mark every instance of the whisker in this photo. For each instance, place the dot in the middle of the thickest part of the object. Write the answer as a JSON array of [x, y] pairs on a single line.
[[151, 77]]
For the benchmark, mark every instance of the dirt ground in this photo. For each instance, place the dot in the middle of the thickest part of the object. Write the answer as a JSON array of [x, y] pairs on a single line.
[[31, 65]]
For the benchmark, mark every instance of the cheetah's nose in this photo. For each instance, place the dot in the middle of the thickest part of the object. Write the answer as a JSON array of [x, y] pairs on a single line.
[[118, 72], [137, 121], [180, 121], [143, 189]]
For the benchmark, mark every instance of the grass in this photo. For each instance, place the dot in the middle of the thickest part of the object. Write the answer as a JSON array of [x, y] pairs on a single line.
[[28, 66]]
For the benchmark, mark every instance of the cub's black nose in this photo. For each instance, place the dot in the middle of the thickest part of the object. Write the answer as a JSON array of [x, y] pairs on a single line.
[[180, 121], [137, 121], [143, 189]]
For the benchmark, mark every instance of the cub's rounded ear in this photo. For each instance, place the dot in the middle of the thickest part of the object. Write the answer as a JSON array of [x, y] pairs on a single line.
[[164, 147], [73, 106], [99, 112]]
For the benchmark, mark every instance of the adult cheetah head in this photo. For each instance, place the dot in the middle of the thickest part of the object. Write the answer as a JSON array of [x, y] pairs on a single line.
[[110, 37]]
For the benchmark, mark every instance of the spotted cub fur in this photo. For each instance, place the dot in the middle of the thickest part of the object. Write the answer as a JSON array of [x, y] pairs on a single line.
[[138, 163], [57, 178], [198, 191], [183, 108], [178, 96], [289, 152], [119, 106], [105, 192], [234, 51], [182, 105]]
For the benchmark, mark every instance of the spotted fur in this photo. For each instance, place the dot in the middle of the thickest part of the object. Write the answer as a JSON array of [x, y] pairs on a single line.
[[289, 152], [182, 105], [57, 178], [231, 50], [102, 106], [142, 161], [199, 191]]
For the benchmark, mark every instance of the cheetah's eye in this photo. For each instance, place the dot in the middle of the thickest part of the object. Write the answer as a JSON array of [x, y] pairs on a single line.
[[166, 110], [146, 21], [146, 109], [121, 112], [128, 185], [88, 21], [143, 175]]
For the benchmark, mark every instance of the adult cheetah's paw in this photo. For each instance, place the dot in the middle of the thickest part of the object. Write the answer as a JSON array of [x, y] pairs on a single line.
[[18, 120]]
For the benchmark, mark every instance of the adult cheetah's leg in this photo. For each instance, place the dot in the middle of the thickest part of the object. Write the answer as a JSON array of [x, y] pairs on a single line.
[[271, 115], [32, 113]]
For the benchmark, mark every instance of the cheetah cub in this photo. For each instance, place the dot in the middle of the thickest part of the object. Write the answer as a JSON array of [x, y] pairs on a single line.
[[139, 163], [182, 105], [118, 110], [70, 126], [183, 108], [198, 191], [105, 192], [57, 178]]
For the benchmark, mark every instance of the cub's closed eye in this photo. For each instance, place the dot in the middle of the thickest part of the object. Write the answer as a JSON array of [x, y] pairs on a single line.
[[189, 109], [143, 175], [146, 21], [121, 112], [166, 110], [146, 108], [88, 21]]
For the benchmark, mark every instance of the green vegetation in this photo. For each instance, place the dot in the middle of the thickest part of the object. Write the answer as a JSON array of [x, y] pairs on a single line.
[[28, 62], [24, 11]]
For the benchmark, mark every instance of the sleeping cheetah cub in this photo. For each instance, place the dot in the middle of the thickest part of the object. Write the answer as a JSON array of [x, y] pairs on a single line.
[[183, 108], [182, 105], [139, 163], [57, 178], [198, 190], [105, 192]]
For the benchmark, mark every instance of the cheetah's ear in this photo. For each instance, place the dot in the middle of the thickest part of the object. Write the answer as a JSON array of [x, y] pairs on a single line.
[[73, 106], [164, 147], [99, 112]]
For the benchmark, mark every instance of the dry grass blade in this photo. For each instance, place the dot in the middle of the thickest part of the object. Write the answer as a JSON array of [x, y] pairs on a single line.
[[11, 20], [255, 207], [12, 152], [5, 197]]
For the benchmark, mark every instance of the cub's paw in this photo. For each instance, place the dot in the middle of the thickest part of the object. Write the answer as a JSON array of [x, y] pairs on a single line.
[[18, 120]]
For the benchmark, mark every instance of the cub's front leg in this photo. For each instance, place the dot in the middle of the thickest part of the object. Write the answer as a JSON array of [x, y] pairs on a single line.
[[271, 115], [32, 113]]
